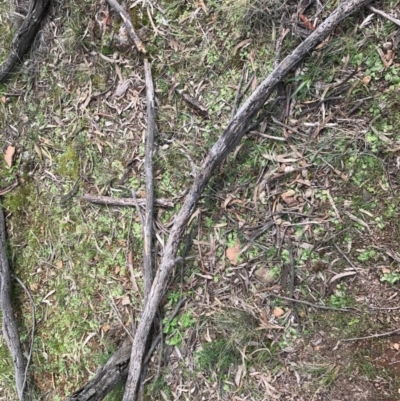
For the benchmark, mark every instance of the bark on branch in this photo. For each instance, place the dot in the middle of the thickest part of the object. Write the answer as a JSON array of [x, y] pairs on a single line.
[[9, 327], [24, 37], [148, 221], [128, 25], [227, 142]]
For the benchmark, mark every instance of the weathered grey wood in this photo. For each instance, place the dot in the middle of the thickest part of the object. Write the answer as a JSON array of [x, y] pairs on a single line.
[[106, 378], [225, 144], [148, 167], [128, 24], [9, 326], [24, 37]]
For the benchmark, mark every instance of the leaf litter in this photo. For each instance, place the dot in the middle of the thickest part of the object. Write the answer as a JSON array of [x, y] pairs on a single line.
[[305, 185]]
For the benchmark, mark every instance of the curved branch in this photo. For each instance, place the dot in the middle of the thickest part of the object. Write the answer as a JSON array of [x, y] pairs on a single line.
[[24, 37], [225, 144]]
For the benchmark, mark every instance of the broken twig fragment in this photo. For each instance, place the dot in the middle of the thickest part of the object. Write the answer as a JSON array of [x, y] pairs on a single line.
[[128, 25], [192, 102], [110, 201]]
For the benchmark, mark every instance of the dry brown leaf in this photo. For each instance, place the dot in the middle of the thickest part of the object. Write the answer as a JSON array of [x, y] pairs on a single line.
[[232, 253], [59, 264], [366, 80], [278, 312], [306, 22], [241, 44], [9, 155], [238, 375], [106, 327]]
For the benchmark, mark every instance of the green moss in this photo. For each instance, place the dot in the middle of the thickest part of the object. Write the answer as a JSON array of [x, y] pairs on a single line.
[[18, 200], [69, 163]]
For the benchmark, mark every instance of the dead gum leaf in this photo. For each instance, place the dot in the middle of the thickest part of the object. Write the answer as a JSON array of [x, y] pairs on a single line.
[[9, 155], [232, 253]]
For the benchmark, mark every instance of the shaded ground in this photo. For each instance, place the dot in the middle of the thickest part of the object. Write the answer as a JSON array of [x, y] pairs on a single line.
[[316, 182]]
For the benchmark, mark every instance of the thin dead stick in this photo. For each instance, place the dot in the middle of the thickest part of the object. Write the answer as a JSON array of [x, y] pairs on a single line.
[[388, 333], [138, 211], [128, 25], [225, 144], [236, 102], [9, 327], [148, 165], [383, 14], [110, 201], [246, 88], [298, 301], [345, 256]]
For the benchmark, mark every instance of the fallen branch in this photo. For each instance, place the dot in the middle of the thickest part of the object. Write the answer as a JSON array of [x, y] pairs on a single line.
[[9, 327], [128, 25], [110, 201], [148, 166], [115, 370], [106, 378], [227, 142], [384, 15], [24, 37], [388, 333], [299, 301]]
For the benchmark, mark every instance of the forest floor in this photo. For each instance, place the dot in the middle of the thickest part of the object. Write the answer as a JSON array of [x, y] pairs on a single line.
[[307, 207]]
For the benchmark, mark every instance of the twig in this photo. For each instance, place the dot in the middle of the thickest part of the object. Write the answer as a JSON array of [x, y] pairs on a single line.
[[149, 219], [231, 137], [314, 305], [110, 201], [246, 88], [128, 24], [292, 275], [115, 309], [8, 188], [388, 333], [345, 256], [138, 211], [236, 102], [383, 14], [9, 327]]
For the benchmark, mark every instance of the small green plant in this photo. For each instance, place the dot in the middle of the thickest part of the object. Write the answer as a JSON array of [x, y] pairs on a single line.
[[174, 328], [380, 222], [367, 255], [391, 278], [174, 297], [339, 299]]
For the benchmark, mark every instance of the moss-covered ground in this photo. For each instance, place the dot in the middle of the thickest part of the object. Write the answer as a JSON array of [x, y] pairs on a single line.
[[307, 205]]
